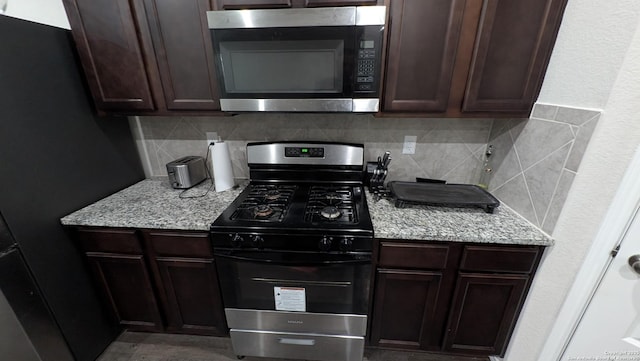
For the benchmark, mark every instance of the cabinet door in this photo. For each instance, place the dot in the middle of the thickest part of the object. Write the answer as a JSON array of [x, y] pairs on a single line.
[[187, 280], [110, 53], [125, 282], [421, 54], [484, 312], [405, 306], [193, 295], [513, 47], [183, 53]]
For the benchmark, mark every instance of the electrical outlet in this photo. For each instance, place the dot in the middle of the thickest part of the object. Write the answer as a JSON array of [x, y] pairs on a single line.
[[212, 137], [409, 146]]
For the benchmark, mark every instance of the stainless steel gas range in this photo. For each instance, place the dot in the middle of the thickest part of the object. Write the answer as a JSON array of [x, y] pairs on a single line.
[[293, 252]]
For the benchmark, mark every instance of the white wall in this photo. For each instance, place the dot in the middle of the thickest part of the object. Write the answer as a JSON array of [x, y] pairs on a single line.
[[589, 51], [588, 69], [50, 12]]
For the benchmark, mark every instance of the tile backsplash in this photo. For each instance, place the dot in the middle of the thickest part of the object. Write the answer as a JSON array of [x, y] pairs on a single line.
[[449, 149], [533, 162]]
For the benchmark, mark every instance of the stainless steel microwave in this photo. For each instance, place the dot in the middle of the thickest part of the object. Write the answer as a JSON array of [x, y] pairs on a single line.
[[299, 60]]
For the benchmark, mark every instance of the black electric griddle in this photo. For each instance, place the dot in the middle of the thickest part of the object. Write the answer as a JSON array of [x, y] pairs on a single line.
[[441, 194]]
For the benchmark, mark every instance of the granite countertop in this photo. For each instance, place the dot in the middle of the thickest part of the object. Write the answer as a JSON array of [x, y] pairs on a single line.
[[453, 224], [152, 203]]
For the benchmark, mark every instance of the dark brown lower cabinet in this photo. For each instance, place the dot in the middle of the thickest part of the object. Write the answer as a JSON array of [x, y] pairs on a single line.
[[405, 303], [484, 312], [125, 283], [156, 280], [449, 297], [117, 260], [188, 282]]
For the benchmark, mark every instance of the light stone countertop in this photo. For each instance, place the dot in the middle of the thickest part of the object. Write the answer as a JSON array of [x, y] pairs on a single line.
[[152, 203], [417, 222]]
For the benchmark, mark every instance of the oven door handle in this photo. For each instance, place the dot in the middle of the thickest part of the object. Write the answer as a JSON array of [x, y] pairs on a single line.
[[366, 260]]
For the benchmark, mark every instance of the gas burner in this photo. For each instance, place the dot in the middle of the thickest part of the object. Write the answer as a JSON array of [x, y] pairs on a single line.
[[333, 196], [272, 194], [263, 210], [330, 212]]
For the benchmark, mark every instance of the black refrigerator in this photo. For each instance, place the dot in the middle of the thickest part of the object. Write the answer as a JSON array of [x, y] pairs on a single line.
[[56, 156]]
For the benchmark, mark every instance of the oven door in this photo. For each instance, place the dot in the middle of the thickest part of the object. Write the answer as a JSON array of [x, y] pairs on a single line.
[[334, 283]]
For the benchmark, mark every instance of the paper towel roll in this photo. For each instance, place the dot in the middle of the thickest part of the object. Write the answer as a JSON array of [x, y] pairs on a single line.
[[221, 166]]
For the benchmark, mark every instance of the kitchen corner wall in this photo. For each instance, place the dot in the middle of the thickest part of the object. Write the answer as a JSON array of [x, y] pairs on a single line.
[[449, 149], [535, 160]]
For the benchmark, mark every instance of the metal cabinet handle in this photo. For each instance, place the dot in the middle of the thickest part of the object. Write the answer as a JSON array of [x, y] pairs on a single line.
[[297, 341], [634, 262]]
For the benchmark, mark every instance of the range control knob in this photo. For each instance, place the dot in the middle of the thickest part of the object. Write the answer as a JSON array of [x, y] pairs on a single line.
[[346, 244], [325, 243], [236, 240], [257, 241]]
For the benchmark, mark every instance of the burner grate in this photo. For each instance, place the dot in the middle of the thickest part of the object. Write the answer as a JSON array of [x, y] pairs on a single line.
[[265, 203], [330, 204]]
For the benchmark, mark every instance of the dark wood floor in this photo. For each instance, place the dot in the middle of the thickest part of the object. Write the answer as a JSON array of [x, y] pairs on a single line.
[[138, 346]]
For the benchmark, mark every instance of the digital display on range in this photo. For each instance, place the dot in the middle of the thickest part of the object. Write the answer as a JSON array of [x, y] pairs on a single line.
[[299, 152]]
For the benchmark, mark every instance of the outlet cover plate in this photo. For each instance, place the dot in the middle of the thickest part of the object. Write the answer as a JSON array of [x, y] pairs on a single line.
[[409, 146], [212, 137]]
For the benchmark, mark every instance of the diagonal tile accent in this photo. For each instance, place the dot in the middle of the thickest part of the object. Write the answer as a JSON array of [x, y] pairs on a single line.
[[539, 138], [580, 145], [536, 173], [559, 197], [516, 195], [542, 179]]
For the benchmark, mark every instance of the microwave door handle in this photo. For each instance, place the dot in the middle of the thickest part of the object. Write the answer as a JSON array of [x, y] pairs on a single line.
[[366, 260]]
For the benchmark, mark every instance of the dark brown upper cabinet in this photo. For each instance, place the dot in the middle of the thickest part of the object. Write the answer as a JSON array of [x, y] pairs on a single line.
[[468, 57], [184, 53], [111, 53], [513, 47], [421, 54], [146, 56]]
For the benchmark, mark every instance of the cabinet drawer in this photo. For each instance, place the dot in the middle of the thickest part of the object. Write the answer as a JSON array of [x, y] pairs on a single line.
[[296, 345], [180, 244], [109, 241], [499, 259], [413, 255]]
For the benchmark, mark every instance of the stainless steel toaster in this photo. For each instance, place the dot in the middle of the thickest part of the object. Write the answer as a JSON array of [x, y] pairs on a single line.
[[186, 172]]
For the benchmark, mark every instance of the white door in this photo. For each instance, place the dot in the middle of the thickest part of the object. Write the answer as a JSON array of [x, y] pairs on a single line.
[[610, 327]]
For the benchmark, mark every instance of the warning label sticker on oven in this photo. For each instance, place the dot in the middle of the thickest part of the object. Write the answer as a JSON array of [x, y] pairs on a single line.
[[290, 299]]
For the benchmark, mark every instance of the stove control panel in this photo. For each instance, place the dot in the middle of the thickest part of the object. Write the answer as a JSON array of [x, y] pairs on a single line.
[[289, 242], [311, 152]]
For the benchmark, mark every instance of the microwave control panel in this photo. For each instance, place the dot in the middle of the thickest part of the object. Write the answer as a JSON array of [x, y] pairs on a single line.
[[368, 60]]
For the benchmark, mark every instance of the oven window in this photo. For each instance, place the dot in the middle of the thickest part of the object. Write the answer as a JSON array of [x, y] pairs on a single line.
[[333, 287], [295, 66]]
